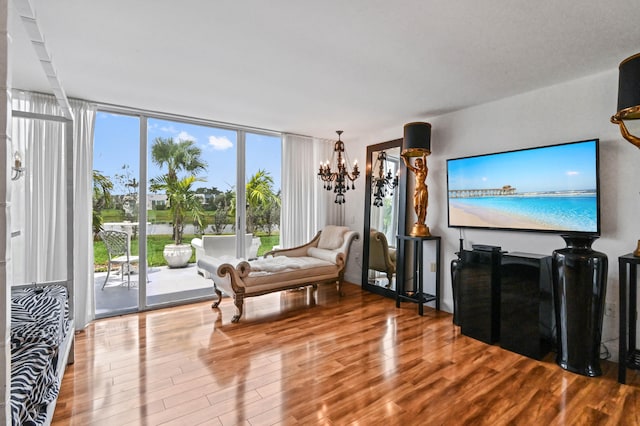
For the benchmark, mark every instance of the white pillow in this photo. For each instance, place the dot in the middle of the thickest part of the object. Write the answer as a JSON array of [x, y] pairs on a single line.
[[323, 254], [332, 237]]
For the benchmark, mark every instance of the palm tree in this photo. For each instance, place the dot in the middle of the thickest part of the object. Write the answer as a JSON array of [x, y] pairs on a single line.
[[182, 201], [260, 196], [102, 187], [183, 155], [260, 189]]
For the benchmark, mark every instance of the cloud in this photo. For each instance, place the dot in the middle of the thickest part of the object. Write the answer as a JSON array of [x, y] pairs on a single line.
[[184, 136], [220, 143], [169, 129], [572, 173]]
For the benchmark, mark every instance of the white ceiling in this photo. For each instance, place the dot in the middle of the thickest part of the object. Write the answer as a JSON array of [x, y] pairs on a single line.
[[312, 67]]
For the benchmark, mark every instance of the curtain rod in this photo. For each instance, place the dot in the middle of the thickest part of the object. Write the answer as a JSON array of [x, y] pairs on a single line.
[[37, 116]]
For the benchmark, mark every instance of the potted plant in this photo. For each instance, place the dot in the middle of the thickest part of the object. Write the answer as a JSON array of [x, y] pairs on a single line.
[[181, 196]]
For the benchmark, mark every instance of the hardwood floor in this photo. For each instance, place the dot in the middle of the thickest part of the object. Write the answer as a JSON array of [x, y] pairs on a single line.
[[351, 360]]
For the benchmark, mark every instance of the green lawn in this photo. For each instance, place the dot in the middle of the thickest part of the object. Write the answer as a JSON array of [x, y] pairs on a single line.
[[156, 245]]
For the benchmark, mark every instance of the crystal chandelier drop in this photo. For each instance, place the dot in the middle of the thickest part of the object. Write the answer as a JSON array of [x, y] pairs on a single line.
[[382, 183], [340, 180]]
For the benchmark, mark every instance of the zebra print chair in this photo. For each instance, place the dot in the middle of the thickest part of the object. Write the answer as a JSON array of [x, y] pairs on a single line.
[[118, 245]]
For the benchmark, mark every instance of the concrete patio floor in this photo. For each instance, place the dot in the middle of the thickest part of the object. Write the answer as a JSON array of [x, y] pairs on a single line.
[[165, 286]]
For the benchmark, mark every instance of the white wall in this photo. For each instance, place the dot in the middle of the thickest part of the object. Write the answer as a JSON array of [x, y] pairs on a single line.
[[572, 111]]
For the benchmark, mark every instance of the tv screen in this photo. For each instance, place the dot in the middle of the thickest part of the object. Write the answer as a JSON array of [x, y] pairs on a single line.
[[547, 189]]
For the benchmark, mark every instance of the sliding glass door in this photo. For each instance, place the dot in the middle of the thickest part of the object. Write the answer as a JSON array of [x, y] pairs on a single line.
[[191, 172], [116, 203], [186, 189]]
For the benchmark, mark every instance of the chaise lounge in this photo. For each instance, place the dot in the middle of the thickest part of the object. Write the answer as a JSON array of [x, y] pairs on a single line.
[[321, 260]]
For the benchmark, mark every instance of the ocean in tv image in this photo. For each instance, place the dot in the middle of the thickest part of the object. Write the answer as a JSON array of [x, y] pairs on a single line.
[[550, 188]]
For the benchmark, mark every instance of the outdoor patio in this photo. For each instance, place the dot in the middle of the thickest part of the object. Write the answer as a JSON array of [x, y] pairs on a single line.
[[165, 285]]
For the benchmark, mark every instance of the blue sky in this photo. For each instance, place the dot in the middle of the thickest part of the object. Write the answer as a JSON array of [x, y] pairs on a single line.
[[561, 167], [116, 143]]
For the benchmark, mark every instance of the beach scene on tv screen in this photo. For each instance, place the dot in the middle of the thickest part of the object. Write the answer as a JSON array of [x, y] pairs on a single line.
[[551, 188]]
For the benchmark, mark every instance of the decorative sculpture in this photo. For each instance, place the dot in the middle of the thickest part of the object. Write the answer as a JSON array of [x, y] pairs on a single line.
[[420, 194], [629, 103], [417, 143]]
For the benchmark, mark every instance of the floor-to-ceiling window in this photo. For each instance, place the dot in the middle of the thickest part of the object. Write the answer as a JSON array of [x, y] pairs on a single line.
[[116, 168], [231, 177], [262, 176]]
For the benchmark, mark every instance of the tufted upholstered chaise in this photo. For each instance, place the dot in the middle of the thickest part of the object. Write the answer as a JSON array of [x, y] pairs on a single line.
[[321, 260]]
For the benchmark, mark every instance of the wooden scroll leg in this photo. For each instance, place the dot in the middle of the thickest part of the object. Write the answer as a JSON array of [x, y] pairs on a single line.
[[239, 302], [339, 287], [219, 293]]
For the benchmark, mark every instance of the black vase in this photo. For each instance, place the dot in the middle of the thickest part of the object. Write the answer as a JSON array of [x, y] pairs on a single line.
[[579, 288], [456, 265]]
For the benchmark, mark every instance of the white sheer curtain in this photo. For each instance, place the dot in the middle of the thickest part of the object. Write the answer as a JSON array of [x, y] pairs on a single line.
[[42, 191], [41, 203], [84, 118], [304, 201]]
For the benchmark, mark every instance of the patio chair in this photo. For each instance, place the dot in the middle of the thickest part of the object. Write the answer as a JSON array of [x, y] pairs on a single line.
[[118, 249]]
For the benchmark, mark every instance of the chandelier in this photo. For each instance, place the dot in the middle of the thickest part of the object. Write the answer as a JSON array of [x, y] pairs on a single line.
[[382, 184], [342, 179]]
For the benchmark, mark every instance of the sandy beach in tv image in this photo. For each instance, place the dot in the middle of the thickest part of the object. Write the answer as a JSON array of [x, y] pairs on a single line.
[[486, 216], [487, 219], [550, 188]]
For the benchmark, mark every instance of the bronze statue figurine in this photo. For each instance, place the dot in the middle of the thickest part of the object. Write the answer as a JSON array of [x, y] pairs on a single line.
[[420, 194]]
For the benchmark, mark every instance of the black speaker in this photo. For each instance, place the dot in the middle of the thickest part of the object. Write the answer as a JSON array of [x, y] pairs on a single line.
[[478, 288]]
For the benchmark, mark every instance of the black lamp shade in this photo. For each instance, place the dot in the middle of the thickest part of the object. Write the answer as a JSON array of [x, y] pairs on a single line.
[[417, 139], [629, 88]]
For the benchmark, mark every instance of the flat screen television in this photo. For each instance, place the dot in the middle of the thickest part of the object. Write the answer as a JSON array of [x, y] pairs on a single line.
[[545, 189]]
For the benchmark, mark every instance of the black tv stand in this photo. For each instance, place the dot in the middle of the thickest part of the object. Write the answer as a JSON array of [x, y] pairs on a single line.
[[504, 297]]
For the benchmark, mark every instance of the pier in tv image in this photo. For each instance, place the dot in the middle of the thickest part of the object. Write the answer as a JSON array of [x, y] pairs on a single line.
[[550, 189]]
